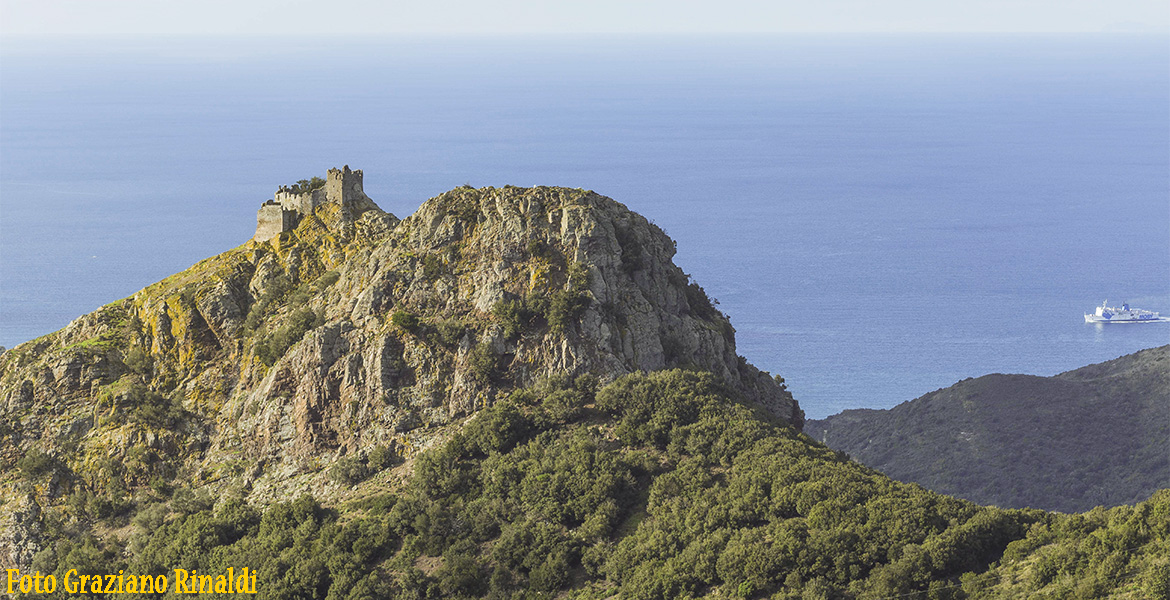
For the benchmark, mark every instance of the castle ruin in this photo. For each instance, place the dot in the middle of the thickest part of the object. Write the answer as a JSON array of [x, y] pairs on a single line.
[[286, 208]]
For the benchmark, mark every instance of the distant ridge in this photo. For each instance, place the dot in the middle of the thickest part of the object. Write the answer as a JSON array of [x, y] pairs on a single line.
[[1098, 435]]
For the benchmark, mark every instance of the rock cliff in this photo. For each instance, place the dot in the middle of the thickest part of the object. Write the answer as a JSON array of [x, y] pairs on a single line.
[[257, 371]]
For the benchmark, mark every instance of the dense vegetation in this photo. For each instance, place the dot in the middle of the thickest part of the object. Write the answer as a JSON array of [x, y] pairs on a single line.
[[655, 486], [1089, 437]]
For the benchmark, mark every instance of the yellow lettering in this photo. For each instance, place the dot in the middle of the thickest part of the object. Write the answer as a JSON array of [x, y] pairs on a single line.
[[83, 579], [253, 578], [50, 584], [180, 577], [26, 584], [205, 579], [70, 587], [160, 588], [109, 586], [13, 579], [242, 582], [230, 581], [132, 585], [221, 585]]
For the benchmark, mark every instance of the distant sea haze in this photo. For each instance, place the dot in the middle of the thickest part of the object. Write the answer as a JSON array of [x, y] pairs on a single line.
[[880, 216]]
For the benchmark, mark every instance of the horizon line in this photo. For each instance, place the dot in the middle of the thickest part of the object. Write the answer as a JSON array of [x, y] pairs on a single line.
[[390, 36]]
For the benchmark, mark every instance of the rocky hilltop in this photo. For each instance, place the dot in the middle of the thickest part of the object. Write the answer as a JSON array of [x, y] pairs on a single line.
[[1097, 435], [350, 334]]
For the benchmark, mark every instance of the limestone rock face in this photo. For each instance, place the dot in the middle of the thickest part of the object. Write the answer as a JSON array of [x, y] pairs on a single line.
[[640, 313], [256, 370], [21, 534]]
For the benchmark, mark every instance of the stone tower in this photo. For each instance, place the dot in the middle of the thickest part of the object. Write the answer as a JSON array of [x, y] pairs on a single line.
[[343, 187]]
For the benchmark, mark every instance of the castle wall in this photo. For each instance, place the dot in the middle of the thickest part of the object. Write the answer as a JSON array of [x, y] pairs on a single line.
[[271, 220], [303, 203]]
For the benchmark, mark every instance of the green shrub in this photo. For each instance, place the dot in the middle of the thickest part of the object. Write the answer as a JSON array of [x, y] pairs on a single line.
[[382, 457], [108, 503], [274, 346], [349, 471], [564, 406], [186, 502], [461, 574], [497, 429], [1156, 582], [405, 321], [450, 332], [433, 267], [151, 516], [481, 363], [307, 185], [136, 403], [578, 277], [566, 305], [355, 469], [35, 463], [276, 289], [564, 308], [512, 316], [701, 304], [300, 296], [326, 279], [139, 361]]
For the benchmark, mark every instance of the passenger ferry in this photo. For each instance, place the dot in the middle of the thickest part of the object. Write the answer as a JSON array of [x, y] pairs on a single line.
[[1125, 314]]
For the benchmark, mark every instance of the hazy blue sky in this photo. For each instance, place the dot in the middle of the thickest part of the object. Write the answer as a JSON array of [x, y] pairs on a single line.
[[295, 17]]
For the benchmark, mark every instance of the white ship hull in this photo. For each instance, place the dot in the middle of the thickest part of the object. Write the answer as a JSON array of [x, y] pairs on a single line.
[[1125, 314]]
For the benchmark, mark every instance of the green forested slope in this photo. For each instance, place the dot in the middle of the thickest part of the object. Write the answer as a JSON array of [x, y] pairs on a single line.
[[1098, 435], [655, 486]]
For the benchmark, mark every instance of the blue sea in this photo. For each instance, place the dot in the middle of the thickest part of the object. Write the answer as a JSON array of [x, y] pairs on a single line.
[[880, 216]]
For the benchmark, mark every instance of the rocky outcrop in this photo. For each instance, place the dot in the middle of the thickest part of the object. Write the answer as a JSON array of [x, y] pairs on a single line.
[[20, 533], [254, 371]]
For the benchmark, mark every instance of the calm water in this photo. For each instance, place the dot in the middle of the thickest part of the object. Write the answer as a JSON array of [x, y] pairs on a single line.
[[880, 216]]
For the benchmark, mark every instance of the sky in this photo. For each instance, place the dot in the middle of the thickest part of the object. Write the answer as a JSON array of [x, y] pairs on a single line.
[[51, 18]]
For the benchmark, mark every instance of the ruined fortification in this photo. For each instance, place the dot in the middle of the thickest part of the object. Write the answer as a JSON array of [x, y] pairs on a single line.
[[286, 208]]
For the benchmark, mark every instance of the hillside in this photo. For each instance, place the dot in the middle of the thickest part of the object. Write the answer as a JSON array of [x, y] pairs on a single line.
[[512, 393], [1098, 435], [654, 486], [348, 334]]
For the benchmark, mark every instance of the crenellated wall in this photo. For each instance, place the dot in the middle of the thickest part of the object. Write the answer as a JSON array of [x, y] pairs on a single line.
[[303, 203]]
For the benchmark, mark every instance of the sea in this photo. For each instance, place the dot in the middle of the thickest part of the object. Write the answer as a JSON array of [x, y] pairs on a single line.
[[879, 215]]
